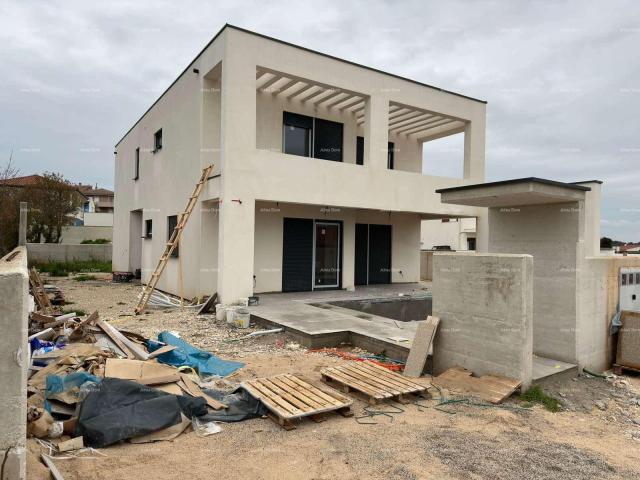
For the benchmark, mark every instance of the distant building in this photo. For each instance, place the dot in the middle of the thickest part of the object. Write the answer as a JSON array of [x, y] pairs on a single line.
[[97, 209], [455, 233]]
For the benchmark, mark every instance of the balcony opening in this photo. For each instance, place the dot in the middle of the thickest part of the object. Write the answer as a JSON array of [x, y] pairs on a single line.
[[444, 157]]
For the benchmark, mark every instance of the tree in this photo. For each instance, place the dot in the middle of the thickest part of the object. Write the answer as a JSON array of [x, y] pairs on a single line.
[[9, 210], [52, 202], [606, 242]]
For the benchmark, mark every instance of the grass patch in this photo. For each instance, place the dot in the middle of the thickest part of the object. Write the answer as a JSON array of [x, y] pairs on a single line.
[[78, 311], [97, 241], [535, 394], [83, 277], [86, 266]]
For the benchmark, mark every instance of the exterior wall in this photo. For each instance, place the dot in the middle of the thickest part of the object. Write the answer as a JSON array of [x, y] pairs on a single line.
[[405, 252], [598, 297], [485, 306], [216, 116], [453, 233], [98, 219], [14, 291], [78, 234], [549, 233], [60, 252]]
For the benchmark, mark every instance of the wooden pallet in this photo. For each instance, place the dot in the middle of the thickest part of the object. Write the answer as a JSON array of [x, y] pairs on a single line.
[[373, 381], [39, 294], [291, 397], [620, 369], [492, 388]]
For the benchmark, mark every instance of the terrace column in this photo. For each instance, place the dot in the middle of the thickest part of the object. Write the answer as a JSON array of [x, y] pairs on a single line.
[[474, 143], [236, 223], [376, 131]]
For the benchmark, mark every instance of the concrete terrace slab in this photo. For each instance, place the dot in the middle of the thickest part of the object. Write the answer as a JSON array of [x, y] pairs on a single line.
[[315, 323], [547, 367]]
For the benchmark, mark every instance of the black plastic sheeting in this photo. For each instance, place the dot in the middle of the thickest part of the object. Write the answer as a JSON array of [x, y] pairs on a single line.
[[120, 409], [240, 406]]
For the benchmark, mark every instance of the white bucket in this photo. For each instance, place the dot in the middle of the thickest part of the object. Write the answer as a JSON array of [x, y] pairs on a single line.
[[220, 312], [231, 314], [242, 318]]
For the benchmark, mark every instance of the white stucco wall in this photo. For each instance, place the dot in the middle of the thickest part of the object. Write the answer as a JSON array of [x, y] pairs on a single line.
[[453, 233]]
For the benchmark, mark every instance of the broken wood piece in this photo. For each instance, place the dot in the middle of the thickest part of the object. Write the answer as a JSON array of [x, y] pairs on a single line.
[[421, 347], [206, 306], [48, 461], [41, 318], [73, 444], [161, 350], [123, 342], [190, 387], [491, 388]]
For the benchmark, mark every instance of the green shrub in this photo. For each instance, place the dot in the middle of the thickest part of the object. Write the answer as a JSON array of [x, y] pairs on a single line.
[[83, 277], [86, 266], [535, 394], [97, 241], [78, 311]]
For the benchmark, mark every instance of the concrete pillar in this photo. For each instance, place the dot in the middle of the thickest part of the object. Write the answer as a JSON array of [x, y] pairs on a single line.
[[14, 291], [376, 132], [236, 223], [22, 231], [348, 251], [474, 144]]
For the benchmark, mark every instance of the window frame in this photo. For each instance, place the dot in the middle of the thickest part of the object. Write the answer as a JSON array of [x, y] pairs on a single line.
[[157, 141], [148, 229], [176, 251]]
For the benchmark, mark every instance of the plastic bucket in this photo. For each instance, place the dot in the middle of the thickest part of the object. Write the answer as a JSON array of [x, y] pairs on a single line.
[[220, 312], [231, 313], [242, 318]]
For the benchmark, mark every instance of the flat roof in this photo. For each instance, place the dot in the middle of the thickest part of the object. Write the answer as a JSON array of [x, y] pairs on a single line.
[[516, 192], [282, 42], [542, 181]]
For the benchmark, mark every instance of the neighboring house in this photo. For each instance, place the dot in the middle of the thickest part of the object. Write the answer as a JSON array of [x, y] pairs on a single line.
[[630, 248], [455, 233], [318, 178], [97, 209]]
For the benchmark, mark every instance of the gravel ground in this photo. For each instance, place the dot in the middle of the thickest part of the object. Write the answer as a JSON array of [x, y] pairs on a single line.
[[419, 442]]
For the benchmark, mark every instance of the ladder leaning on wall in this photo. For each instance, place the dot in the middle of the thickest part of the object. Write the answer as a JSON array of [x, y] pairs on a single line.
[[174, 240]]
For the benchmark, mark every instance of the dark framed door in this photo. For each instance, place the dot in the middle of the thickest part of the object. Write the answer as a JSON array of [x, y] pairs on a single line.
[[327, 253], [379, 254], [362, 254], [297, 255]]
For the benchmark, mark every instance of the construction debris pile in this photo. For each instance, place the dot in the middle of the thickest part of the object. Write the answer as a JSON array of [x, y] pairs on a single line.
[[92, 385]]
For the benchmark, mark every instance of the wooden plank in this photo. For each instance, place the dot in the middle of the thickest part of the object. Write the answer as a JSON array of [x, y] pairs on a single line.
[[312, 393], [73, 444], [161, 350], [55, 473], [288, 397], [206, 306], [420, 347], [350, 372], [492, 388], [107, 329]]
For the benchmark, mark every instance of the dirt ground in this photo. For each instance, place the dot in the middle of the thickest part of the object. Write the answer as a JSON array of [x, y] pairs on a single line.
[[595, 436]]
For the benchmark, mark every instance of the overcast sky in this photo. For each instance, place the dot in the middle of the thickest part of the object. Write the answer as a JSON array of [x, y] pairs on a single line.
[[562, 78]]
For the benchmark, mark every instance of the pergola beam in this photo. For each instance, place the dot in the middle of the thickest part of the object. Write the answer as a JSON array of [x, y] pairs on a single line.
[[445, 121], [328, 97], [403, 120], [270, 82], [285, 87], [351, 104], [302, 90], [341, 100], [422, 123], [442, 131]]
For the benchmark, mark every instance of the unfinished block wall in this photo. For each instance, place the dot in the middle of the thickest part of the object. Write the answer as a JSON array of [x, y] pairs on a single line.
[[485, 306]]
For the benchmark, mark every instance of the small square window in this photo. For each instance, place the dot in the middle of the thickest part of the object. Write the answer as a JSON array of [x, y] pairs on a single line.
[[172, 221], [157, 140], [136, 166], [148, 228], [624, 279]]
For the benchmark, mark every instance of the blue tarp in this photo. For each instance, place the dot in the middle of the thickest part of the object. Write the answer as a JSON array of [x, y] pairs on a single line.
[[205, 363], [56, 384]]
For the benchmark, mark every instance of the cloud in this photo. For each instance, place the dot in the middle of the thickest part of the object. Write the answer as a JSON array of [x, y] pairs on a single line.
[[561, 77]]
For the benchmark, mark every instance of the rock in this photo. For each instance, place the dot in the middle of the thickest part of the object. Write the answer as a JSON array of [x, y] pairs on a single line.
[[636, 421], [601, 405], [563, 395]]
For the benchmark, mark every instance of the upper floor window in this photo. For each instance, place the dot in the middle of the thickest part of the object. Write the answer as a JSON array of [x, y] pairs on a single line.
[[136, 166], [360, 152], [148, 228], [312, 137], [172, 221], [157, 140]]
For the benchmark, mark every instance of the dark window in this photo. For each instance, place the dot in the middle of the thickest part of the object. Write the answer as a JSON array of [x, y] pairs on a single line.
[[157, 140], [137, 165], [390, 155], [148, 228], [327, 140], [637, 278], [172, 221], [296, 135], [624, 279], [360, 153], [631, 279], [471, 243]]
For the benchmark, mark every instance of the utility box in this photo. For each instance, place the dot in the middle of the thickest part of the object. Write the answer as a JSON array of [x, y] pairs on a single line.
[[630, 289]]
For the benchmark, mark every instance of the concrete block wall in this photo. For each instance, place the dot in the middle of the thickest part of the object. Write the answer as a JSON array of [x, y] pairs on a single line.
[[61, 252], [14, 291], [485, 306]]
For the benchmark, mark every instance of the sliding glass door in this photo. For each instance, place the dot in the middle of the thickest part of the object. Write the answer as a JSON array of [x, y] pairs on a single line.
[[326, 271]]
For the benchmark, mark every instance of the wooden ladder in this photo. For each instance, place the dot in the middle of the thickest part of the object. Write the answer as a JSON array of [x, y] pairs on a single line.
[[39, 292], [174, 240]]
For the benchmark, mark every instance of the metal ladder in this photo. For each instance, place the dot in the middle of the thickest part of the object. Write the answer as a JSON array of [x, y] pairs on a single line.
[[174, 240]]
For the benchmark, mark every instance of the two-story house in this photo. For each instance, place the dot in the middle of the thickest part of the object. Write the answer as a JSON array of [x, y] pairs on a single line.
[[318, 180]]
